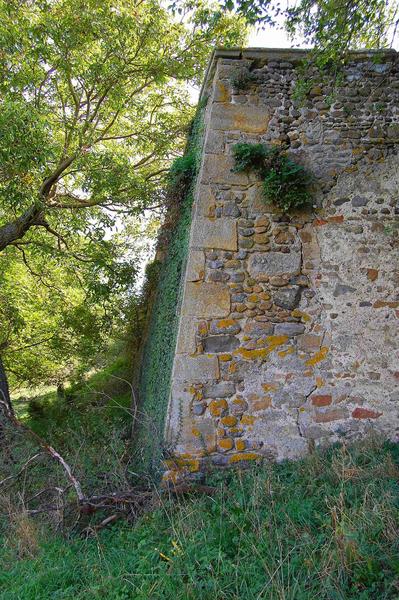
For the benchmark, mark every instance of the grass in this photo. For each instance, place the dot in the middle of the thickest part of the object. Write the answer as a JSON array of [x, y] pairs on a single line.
[[89, 425], [325, 527]]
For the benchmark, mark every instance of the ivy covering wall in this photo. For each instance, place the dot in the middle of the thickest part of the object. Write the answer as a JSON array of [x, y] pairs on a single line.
[[159, 348]]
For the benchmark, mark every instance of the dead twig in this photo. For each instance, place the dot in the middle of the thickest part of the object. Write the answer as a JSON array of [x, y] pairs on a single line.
[[47, 448]]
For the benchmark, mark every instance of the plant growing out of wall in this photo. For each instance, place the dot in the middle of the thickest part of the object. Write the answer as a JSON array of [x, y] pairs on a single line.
[[183, 169], [285, 183], [241, 79]]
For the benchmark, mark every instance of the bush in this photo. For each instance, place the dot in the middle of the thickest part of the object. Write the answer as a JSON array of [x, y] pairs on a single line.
[[285, 183]]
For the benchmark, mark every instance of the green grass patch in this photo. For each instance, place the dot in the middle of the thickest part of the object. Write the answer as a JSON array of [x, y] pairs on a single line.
[[325, 528], [89, 424]]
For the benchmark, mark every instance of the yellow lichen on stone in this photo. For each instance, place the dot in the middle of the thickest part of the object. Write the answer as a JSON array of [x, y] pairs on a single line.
[[319, 382], [225, 357], [269, 387], [276, 340], [193, 465], [234, 430], [196, 432], [240, 445], [203, 328], [243, 456], [252, 354], [226, 444], [229, 421], [248, 419], [318, 356], [283, 353], [305, 318], [170, 476], [264, 296], [239, 404], [223, 323], [262, 403], [216, 407], [190, 464]]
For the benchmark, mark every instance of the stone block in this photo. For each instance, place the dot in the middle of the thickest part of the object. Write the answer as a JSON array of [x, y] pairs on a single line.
[[205, 204], [195, 265], [220, 343], [273, 263], [321, 399], [331, 415], [365, 413], [290, 329], [217, 168], [195, 368], [341, 289], [256, 329], [224, 389], [186, 337], [287, 297], [221, 92], [309, 342], [215, 233], [256, 200], [214, 143], [230, 209], [207, 300], [225, 326], [198, 408], [242, 118]]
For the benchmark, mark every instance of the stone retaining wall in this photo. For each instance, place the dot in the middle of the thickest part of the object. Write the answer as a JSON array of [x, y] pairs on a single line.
[[288, 323]]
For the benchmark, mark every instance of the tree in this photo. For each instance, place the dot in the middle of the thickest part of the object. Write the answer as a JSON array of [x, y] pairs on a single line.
[[58, 316], [93, 106], [329, 27]]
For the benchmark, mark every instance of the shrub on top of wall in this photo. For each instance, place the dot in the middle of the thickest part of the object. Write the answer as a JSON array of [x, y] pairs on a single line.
[[285, 183]]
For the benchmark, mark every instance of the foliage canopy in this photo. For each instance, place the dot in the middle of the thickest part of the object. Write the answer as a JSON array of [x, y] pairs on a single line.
[[94, 106], [329, 27]]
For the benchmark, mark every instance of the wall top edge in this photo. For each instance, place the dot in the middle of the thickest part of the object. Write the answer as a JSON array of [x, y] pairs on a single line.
[[276, 54]]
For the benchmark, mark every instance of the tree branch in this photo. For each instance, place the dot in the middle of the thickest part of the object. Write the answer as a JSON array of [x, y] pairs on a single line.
[[15, 230]]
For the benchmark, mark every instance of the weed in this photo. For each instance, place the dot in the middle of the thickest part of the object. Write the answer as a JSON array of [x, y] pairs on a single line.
[[285, 183], [241, 79]]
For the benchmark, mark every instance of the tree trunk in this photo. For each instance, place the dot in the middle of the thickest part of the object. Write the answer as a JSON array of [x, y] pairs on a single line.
[[15, 230], [4, 390]]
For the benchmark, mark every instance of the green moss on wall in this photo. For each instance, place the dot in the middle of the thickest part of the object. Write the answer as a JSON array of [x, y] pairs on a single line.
[[158, 353]]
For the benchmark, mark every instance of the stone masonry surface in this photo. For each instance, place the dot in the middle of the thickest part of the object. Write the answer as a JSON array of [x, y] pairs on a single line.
[[288, 327]]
